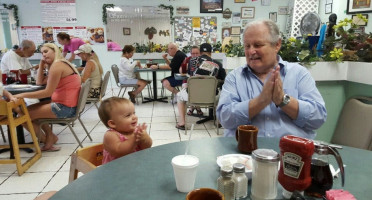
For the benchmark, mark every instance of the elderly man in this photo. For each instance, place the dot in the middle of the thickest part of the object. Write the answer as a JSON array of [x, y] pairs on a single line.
[[16, 59], [278, 97], [178, 56]]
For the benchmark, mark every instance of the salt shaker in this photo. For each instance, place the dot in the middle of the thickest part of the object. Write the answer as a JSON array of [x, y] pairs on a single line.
[[241, 181], [225, 183], [264, 174]]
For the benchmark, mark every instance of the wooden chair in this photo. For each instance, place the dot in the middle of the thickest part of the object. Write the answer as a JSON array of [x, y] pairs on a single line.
[[85, 160], [6, 108]]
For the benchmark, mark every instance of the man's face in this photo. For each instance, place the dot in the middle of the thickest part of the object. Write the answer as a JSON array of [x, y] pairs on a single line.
[[172, 50], [195, 52], [28, 52], [261, 55]]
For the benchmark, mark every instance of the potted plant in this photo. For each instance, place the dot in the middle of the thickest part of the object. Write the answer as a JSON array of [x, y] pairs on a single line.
[[352, 42]]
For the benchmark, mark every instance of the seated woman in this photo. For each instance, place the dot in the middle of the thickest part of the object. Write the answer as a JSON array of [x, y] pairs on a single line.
[[93, 69], [62, 84], [126, 72]]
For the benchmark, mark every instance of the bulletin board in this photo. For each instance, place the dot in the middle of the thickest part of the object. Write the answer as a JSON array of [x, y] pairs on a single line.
[[195, 30]]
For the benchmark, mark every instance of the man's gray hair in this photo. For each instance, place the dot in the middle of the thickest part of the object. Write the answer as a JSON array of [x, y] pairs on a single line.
[[25, 44], [271, 26]]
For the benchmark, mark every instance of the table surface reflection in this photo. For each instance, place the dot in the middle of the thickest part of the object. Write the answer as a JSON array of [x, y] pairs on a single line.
[[148, 174]]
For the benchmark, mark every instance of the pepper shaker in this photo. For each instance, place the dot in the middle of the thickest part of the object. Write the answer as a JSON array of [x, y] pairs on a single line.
[[241, 181]]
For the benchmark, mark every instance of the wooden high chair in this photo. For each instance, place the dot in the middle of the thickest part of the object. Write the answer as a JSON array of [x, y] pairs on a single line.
[[85, 160], [6, 109]]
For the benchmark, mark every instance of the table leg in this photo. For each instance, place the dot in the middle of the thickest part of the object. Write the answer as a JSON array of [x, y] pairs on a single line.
[[155, 91], [21, 140]]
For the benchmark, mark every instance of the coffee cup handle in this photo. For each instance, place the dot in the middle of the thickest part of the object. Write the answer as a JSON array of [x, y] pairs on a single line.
[[237, 134]]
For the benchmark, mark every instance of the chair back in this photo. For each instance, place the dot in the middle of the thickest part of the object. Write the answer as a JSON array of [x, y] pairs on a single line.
[[104, 84], [202, 90], [354, 127], [115, 72], [85, 160], [83, 95]]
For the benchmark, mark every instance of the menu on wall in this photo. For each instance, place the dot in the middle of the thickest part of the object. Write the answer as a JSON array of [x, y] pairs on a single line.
[[58, 11], [32, 33], [68, 30]]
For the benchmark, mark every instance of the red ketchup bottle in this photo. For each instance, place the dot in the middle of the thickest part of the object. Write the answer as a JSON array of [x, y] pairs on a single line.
[[295, 164]]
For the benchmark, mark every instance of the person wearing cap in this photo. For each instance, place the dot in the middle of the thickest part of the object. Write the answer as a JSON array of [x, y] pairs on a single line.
[[278, 97], [178, 57], [69, 45], [206, 53], [126, 72], [63, 85], [16, 59], [92, 70]]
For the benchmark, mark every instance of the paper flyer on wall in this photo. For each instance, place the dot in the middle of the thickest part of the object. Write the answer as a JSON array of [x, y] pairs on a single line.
[[32, 33], [58, 11]]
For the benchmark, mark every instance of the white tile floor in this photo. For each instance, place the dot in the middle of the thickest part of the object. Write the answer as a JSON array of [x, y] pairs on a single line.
[[52, 170]]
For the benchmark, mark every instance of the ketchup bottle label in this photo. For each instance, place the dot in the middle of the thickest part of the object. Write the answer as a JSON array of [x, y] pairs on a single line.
[[292, 164]]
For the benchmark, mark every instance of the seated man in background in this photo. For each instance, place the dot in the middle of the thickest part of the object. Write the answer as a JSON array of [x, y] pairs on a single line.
[[178, 56], [16, 59], [197, 62], [278, 97]]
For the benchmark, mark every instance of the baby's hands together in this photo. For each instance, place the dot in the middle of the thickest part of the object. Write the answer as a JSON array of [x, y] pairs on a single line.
[[139, 131]]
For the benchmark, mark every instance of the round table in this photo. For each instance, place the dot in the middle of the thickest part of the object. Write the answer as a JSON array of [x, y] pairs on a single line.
[[148, 174]]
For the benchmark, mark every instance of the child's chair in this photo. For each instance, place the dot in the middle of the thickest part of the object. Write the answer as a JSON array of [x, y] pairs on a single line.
[[6, 109], [85, 160]]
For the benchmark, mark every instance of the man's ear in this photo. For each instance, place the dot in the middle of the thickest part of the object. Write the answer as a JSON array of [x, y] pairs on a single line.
[[111, 123], [278, 45]]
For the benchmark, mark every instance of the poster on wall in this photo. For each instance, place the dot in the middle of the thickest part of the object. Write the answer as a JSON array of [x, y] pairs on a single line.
[[69, 30], [81, 32], [32, 33], [58, 11], [195, 30]]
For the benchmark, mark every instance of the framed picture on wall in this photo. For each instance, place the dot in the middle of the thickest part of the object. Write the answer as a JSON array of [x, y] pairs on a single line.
[[283, 10], [235, 39], [235, 30], [247, 13], [273, 16], [226, 32], [207, 6], [328, 8], [126, 31], [358, 21], [358, 6]]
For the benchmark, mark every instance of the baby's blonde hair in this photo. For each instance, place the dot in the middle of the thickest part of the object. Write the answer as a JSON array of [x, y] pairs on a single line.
[[107, 106]]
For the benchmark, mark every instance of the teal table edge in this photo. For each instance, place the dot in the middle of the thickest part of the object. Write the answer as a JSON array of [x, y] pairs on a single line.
[[148, 174]]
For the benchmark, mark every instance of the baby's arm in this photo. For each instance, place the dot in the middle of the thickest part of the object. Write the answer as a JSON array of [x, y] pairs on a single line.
[[117, 148]]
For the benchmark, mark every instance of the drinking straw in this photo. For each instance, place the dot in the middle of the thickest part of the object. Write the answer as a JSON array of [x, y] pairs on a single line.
[[188, 142]]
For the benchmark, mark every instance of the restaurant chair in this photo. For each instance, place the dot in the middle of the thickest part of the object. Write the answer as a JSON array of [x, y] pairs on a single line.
[[103, 90], [6, 109], [354, 127], [79, 109], [204, 97], [115, 72], [85, 160], [149, 89]]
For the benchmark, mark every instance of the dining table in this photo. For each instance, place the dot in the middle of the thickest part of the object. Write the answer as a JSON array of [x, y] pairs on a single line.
[[17, 89], [154, 84], [148, 174]]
